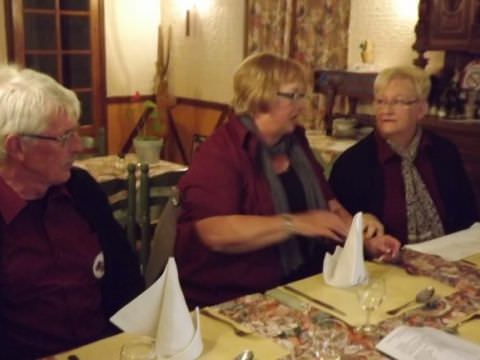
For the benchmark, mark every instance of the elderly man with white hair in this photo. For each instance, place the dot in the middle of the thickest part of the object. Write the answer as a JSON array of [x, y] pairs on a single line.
[[65, 264]]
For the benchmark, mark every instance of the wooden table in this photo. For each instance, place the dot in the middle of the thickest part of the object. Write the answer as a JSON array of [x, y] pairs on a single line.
[[327, 148]]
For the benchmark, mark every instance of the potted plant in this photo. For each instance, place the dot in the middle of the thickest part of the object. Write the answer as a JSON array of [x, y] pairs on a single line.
[[148, 143]]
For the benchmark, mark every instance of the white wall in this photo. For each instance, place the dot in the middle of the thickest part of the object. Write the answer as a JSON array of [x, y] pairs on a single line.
[[390, 25], [203, 63], [131, 29]]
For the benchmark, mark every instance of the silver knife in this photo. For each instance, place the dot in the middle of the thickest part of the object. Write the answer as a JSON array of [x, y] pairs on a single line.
[[315, 301]]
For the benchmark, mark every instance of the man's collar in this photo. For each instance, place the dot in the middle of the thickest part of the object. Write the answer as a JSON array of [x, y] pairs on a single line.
[[11, 204]]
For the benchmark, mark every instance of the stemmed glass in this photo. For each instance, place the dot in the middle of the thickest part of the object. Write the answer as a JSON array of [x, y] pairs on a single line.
[[370, 294]]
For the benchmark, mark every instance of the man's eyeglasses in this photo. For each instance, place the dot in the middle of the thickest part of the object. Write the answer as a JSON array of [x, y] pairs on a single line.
[[61, 139], [396, 103], [294, 96]]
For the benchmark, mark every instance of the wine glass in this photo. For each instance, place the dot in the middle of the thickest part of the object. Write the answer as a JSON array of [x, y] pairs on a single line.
[[370, 294], [142, 348]]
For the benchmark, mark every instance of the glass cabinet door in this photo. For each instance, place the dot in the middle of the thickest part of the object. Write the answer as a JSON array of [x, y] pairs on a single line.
[[63, 38]]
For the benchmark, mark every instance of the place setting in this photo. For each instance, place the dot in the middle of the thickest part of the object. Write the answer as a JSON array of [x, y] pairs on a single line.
[[364, 300]]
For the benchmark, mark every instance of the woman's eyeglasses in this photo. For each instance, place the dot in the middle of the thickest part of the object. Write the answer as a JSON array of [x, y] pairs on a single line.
[[395, 103], [294, 96]]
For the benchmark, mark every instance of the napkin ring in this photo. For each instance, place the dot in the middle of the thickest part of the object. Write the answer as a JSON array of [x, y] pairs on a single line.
[[288, 224]]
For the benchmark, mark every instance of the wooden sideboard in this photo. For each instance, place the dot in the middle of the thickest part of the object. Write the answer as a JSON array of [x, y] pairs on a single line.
[[355, 87], [450, 25], [466, 135]]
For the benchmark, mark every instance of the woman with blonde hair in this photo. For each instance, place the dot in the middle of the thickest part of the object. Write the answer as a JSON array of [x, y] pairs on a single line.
[[256, 208]]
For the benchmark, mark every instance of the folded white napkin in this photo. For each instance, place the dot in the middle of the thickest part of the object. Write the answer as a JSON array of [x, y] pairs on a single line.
[[162, 313], [346, 267]]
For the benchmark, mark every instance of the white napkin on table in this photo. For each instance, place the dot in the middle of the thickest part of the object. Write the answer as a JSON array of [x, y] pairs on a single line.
[[346, 267], [162, 313]]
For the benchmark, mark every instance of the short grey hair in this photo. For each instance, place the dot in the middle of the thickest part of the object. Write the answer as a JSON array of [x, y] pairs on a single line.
[[29, 100], [418, 77]]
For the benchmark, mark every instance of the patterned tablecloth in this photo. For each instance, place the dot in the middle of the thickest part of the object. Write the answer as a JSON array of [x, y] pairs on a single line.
[[104, 168], [327, 148], [294, 328]]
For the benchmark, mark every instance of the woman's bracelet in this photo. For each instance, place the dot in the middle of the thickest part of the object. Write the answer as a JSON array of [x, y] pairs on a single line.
[[288, 224]]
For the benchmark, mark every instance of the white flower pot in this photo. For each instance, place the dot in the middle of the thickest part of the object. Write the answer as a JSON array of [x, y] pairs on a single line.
[[148, 150]]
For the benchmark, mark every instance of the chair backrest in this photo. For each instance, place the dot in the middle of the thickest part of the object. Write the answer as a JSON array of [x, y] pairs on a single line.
[[355, 87], [163, 240], [121, 195], [154, 194]]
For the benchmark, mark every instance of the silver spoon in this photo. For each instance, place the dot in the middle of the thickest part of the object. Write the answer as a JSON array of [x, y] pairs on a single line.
[[453, 329], [245, 355], [422, 297]]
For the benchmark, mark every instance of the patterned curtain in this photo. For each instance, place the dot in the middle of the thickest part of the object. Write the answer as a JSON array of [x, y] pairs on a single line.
[[315, 32], [269, 26]]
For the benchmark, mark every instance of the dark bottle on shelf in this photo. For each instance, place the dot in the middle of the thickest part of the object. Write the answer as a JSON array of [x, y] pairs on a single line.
[[453, 105]]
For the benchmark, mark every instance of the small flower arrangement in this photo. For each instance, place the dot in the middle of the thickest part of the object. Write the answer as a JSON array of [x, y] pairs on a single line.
[[367, 52], [363, 45]]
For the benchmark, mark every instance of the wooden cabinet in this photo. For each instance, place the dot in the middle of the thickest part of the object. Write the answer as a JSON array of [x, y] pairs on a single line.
[[350, 87], [475, 27], [63, 38], [466, 136], [451, 25]]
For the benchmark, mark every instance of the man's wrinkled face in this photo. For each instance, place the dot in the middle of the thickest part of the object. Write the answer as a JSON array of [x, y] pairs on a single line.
[[49, 157]]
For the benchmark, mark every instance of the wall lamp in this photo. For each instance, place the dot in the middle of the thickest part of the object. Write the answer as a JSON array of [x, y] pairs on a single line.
[[188, 5], [187, 22]]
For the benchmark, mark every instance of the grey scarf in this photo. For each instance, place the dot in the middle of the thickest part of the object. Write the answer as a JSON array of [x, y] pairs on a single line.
[[423, 221], [291, 255]]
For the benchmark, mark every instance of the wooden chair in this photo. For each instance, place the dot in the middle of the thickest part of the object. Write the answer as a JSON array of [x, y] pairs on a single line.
[[163, 241], [122, 197], [155, 192]]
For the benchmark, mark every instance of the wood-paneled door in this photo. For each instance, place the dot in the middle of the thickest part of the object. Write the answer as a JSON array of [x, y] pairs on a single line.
[[65, 39]]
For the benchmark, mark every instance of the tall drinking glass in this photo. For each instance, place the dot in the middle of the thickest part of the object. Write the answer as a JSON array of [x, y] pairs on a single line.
[[370, 294], [139, 349], [331, 337]]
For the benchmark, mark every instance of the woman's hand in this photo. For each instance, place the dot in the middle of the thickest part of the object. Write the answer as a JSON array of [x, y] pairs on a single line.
[[371, 226], [384, 247], [321, 223]]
